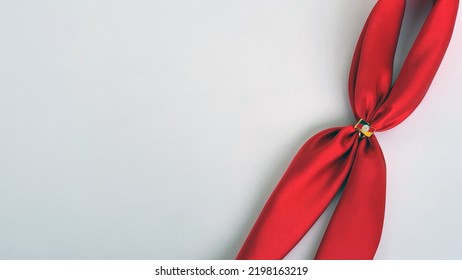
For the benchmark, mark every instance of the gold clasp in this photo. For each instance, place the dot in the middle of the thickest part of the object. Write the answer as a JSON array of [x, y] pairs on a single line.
[[364, 128]]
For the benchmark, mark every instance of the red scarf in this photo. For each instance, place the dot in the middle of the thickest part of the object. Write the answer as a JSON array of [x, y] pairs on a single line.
[[350, 156]]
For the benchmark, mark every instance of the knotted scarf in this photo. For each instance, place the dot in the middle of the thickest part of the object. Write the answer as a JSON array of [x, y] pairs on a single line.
[[351, 156]]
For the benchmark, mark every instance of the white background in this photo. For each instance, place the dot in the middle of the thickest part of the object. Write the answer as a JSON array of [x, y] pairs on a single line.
[[158, 129]]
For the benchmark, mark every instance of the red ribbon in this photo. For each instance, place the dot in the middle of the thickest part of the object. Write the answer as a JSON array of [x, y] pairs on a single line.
[[337, 156]]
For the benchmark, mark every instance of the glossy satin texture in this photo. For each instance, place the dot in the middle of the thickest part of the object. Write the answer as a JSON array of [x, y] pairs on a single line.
[[337, 156]]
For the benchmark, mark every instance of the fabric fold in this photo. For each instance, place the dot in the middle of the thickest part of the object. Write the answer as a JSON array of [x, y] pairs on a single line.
[[356, 226], [313, 178]]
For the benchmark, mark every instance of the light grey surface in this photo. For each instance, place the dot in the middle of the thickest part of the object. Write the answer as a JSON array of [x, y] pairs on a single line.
[[157, 129]]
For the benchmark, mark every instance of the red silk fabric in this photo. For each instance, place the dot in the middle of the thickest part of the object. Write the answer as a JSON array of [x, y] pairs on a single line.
[[338, 157]]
